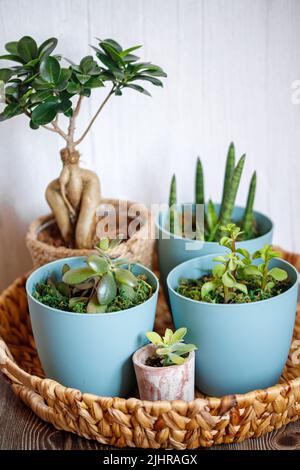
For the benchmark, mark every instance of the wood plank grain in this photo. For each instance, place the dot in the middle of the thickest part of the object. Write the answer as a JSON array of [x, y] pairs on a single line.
[[21, 429]]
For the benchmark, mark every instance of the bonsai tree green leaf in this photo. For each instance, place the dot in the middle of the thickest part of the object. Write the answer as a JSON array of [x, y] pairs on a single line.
[[47, 47], [27, 49], [50, 70]]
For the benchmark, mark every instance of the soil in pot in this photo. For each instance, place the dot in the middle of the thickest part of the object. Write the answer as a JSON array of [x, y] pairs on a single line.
[[51, 235]]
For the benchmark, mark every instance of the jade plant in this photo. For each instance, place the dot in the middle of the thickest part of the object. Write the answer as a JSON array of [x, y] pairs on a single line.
[[170, 349], [237, 278], [105, 284], [44, 86], [213, 220]]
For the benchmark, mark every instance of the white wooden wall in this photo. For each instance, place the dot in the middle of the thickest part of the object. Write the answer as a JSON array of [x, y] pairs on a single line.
[[230, 64]]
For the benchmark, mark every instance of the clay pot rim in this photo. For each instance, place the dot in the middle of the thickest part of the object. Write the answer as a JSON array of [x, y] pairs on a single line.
[[139, 364]]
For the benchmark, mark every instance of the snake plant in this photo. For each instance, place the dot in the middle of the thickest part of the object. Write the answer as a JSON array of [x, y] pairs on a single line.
[[214, 219]]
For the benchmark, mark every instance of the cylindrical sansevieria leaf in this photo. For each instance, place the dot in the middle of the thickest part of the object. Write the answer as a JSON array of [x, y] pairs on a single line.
[[199, 183], [230, 163], [248, 218], [230, 197], [172, 203]]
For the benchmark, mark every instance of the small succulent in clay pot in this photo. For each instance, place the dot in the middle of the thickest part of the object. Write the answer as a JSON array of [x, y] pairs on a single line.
[[165, 368]]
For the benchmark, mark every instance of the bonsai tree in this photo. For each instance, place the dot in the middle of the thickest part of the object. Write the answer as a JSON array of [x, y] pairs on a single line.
[[43, 88]]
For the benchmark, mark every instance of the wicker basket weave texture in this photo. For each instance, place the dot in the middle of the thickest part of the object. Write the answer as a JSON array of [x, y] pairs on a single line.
[[138, 248], [130, 422]]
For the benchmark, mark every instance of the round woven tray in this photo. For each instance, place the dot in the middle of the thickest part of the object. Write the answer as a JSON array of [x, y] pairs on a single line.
[[138, 248], [131, 422]]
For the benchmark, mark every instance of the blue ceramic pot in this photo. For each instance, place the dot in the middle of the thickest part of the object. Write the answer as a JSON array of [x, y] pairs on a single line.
[[175, 250], [90, 352], [241, 347]]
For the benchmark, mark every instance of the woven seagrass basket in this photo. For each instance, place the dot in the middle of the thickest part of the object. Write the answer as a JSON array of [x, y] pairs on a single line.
[[131, 422], [138, 248]]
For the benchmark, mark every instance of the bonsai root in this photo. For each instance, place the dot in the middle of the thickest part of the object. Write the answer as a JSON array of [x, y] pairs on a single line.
[[73, 199]]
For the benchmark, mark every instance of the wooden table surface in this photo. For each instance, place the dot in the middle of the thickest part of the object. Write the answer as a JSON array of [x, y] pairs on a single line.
[[20, 429]]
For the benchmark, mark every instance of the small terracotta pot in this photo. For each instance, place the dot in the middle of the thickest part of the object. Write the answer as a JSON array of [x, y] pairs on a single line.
[[164, 383]]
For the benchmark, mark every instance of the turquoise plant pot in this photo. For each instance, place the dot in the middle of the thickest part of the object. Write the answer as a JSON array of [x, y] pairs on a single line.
[[90, 352], [175, 250], [241, 347]]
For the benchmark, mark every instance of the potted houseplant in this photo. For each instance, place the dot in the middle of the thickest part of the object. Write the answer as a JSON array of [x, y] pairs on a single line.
[[88, 317], [241, 310], [165, 369], [43, 88], [199, 236]]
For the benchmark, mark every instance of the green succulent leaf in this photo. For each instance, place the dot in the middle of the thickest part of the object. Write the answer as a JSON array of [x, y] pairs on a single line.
[[241, 287], [278, 274], [176, 359], [123, 276], [209, 287], [218, 270], [94, 307], [106, 289], [50, 70], [178, 335], [154, 337], [226, 241], [98, 264], [228, 280], [78, 275], [127, 292], [168, 336], [65, 268], [252, 271]]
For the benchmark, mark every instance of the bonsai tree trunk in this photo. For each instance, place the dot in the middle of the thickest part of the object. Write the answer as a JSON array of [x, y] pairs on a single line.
[[74, 197]]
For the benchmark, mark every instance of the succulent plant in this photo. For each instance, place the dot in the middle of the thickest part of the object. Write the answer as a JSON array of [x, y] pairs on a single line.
[[213, 220], [103, 285], [236, 278], [170, 349]]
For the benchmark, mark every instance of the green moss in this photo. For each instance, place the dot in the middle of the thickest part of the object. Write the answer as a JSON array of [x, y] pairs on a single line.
[[48, 294]]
